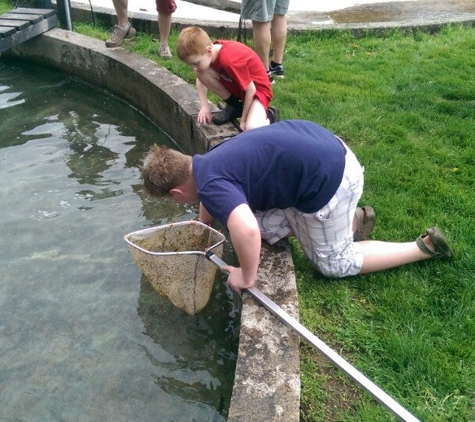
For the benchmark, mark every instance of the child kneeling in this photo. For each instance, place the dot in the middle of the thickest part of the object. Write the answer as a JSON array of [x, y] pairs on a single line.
[[232, 71]]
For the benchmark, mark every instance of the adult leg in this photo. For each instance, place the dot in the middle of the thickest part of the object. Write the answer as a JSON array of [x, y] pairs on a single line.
[[165, 9], [123, 29], [261, 32], [383, 255], [278, 38], [164, 27], [121, 7]]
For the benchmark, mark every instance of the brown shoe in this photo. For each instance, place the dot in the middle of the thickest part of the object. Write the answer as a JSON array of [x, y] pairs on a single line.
[[118, 35], [365, 221], [442, 248]]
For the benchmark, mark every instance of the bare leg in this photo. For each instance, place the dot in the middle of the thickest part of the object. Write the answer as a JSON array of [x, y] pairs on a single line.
[[164, 27], [120, 7], [210, 79], [384, 255], [257, 116], [262, 40], [278, 37]]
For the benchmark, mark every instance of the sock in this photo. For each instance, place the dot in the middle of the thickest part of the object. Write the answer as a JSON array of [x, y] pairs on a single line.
[[274, 64], [233, 101]]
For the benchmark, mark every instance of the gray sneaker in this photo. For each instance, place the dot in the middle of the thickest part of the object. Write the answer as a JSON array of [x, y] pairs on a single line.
[[164, 51], [118, 35]]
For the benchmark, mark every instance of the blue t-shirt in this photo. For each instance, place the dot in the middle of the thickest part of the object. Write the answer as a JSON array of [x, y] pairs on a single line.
[[293, 163]]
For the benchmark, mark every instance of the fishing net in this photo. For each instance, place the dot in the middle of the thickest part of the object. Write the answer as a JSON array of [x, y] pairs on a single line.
[[173, 258]]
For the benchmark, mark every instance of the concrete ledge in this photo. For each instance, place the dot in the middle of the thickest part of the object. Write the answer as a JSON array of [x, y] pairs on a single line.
[[162, 96], [267, 381]]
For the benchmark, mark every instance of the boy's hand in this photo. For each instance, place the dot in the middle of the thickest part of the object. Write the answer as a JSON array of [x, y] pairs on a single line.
[[236, 279], [242, 125], [204, 115]]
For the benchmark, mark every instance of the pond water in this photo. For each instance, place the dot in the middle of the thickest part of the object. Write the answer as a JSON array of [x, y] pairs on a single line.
[[83, 335]]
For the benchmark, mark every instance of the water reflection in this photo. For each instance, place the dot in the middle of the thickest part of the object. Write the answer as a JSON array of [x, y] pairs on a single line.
[[83, 336]]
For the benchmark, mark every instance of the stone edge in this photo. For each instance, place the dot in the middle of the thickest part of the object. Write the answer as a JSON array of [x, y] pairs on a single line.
[[267, 377]]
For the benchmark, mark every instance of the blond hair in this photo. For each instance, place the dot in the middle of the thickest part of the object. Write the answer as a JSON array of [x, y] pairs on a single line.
[[192, 41], [164, 169]]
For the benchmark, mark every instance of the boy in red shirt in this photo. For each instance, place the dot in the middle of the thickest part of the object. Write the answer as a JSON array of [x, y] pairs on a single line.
[[232, 71]]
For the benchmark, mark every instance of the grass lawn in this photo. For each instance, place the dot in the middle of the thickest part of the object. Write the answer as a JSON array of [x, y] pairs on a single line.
[[406, 105]]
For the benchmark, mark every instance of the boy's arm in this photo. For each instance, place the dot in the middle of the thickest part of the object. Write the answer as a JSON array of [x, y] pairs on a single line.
[[246, 240], [248, 98], [204, 115]]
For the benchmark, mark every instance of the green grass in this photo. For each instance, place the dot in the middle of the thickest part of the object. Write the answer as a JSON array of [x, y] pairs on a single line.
[[406, 105]]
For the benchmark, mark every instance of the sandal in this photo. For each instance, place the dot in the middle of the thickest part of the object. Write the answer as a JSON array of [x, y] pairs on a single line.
[[442, 248], [227, 114], [365, 221]]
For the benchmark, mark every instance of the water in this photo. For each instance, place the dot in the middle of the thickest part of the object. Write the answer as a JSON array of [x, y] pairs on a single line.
[[83, 335]]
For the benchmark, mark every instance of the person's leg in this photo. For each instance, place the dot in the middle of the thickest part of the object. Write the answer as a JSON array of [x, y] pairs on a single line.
[[278, 37], [121, 7], [262, 40], [165, 9], [327, 236], [273, 225], [210, 79], [257, 116], [378, 256], [123, 29], [233, 110], [164, 27]]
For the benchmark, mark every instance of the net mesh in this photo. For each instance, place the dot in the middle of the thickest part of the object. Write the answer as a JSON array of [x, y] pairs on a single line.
[[173, 258]]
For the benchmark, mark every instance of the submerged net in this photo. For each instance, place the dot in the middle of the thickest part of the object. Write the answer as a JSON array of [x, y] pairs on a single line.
[[173, 259]]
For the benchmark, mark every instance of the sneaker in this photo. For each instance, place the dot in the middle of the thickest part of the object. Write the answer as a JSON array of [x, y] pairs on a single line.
[[271, 78], [227, 114], [164, 51], [277, 71], [273, 114], [118, 35]]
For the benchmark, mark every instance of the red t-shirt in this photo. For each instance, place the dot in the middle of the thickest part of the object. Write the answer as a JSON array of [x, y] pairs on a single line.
[[237, 66]]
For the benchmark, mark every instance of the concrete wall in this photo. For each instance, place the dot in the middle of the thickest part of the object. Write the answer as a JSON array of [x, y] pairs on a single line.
[[167, 99], [267, 380]]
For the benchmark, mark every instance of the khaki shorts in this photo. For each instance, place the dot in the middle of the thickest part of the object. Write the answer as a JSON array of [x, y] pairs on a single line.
[[263, 10], [325, 236]]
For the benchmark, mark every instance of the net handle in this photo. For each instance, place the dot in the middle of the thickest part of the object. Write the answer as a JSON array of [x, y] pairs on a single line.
[[318, 344]]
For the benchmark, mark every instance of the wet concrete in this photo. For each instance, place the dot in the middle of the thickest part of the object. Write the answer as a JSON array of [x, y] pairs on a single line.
[[427, 10]]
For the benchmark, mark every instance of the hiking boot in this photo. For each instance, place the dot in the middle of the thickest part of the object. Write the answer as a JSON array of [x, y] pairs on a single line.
[[273, 114], [271, 78], [277, 70], [118, 35], [227, 114], [164, 51]]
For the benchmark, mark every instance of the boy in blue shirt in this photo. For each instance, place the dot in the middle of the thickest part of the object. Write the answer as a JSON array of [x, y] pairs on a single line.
[[290, 178]]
